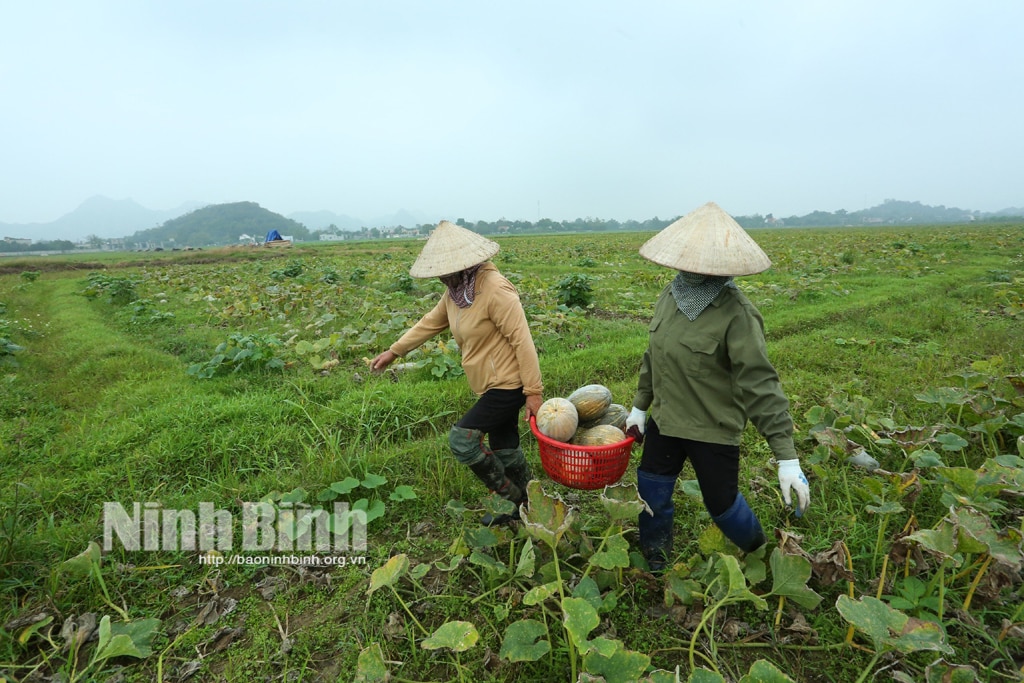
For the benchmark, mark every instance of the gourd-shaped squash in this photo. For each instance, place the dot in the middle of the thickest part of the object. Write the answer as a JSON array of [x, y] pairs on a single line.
[[591, 401], [601, 435], [615, 416], [557, 419]]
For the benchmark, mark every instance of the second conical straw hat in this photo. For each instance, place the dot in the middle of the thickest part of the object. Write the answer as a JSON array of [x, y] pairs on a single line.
[[706, 241], [450, 249]]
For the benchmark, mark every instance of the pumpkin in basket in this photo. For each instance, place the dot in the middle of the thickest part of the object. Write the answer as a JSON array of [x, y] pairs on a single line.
[[615, 415], [600, 435], [591, 401], [557, 419]]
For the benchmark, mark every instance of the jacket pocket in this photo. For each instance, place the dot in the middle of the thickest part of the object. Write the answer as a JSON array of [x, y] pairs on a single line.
[[699, 355]]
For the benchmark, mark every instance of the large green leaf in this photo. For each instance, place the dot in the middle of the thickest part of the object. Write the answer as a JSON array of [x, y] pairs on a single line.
[[548, 518], [370, 667], [579, 618], [620, 666], [735, 583], [870, 616], [754, 567], [712, 540], [920, 634], [372, 481], [484, 560], [346, 485], [132, 639], [527, 565], [790, 574], [403, 492], [389, 573], [952, 442], [480, 537], [763, 671], [888, 507], [890, 629], [457, 636], [81, 564], [701, 675], [1004, 548], [372, 510], [944, 396], [614, 555], [524, 641], [941, 541], [687, 590], [941, 671], [588, 589], [539, 594], [622, 502]]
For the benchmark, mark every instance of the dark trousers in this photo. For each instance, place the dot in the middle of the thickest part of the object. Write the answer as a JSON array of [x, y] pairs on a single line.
[[496, 414], [717, 466]]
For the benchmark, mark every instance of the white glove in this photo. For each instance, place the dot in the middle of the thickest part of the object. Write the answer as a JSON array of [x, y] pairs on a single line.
[[792, 477], [636, 423]]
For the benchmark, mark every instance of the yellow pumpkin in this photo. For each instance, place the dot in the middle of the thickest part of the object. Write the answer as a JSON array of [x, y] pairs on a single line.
[[615, 416], [591, 401], [557, 419], [601, 435]]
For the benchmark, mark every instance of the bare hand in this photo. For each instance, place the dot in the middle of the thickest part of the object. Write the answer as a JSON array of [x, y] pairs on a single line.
[[382, 361], [533, 404]]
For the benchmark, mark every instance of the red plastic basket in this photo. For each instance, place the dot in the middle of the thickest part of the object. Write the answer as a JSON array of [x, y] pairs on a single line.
[[582, 467]]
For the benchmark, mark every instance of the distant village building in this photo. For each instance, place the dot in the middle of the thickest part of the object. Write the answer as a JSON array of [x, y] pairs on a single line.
[[332, 237], [23, 241]]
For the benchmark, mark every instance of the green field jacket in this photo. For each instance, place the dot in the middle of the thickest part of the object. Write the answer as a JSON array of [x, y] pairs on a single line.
[[493, 335], [703, 379]]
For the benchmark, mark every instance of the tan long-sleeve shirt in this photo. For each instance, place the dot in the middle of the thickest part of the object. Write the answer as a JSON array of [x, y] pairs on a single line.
[[493, 334]]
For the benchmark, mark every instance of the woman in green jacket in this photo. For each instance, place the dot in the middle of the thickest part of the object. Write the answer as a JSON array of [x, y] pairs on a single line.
[[483, 311], [704, 374]]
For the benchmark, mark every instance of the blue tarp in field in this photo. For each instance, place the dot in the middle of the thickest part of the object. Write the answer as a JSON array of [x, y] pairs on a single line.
[[273, 235]]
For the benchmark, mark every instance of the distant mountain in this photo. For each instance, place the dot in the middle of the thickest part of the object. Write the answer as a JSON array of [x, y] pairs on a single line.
[[100, 216], [219, 224], [889, 212], [1011, 212]]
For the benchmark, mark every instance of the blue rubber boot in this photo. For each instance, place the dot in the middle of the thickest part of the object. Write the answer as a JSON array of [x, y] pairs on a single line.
[[741, 526], [656, 529]]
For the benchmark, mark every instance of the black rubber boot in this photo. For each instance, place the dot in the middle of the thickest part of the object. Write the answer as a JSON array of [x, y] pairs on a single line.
[[741, 526], [489, 470], [656, 527], [516, 467]]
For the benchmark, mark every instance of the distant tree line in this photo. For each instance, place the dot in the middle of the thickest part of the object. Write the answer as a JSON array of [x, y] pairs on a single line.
[[891, 212], [47, 245]]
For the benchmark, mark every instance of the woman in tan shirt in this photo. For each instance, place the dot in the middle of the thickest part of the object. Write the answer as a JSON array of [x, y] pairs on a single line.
[[483, 311]]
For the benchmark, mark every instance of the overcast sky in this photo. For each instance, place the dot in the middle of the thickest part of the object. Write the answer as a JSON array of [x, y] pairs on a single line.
[[522, 110]]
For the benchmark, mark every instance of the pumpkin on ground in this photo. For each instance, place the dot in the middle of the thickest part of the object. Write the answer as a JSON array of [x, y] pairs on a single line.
[[557, 419], [591, 401], [601, 435], [615, 416]]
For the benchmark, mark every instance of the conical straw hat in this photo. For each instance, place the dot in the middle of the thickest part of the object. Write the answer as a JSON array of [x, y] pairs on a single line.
[[706, 241], [450, 249]]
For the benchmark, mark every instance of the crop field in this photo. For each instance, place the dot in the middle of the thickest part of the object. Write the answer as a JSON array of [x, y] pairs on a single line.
[[227, 393]]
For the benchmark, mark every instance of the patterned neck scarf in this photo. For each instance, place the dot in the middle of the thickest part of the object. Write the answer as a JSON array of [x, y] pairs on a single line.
[[693, 292], [462, 286]]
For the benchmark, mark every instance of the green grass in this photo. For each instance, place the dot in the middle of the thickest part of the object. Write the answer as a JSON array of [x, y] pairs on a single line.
[[100, 408]]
